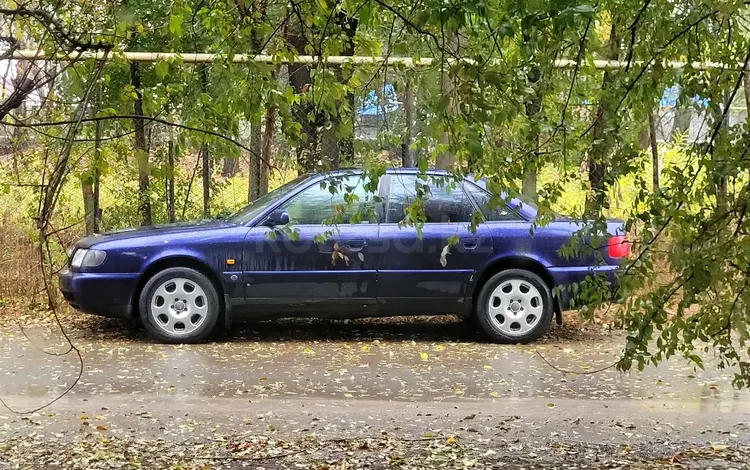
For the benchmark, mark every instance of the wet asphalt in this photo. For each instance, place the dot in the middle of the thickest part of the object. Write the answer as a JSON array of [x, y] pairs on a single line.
[[346, 379]]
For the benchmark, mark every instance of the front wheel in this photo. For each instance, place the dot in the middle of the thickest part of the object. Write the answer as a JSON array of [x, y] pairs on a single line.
[[514, 306], [179, 305]]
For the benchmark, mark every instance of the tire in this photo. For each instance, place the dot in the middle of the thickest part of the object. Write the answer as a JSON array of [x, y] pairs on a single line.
[[514, 306], [180, 305]]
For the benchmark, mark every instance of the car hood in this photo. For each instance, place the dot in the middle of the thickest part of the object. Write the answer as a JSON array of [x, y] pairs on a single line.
[[151, 230]]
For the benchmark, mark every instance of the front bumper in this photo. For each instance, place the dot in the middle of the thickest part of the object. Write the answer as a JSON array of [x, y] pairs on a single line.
[[566, 276], [105, 294]]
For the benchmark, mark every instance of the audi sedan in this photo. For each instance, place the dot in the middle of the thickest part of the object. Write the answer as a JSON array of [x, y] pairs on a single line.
[[342, 245]]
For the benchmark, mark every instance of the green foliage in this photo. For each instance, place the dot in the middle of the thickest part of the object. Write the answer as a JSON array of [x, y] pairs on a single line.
[[493, 100]]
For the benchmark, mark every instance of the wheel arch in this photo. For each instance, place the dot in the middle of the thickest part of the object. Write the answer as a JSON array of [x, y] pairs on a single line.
[[516, 262], [176, 261]]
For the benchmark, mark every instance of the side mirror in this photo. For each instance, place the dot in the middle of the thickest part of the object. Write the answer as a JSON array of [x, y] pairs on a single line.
[[280, 217]]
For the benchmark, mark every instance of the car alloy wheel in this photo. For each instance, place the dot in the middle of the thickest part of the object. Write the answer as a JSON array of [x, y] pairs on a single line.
[[180, 305], [514, 306]]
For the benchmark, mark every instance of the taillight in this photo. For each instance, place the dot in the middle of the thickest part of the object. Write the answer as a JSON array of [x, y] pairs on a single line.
[[619, 247]]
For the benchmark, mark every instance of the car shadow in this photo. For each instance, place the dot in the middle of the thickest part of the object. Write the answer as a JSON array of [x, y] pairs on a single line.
[[418, 328], [442, 328]]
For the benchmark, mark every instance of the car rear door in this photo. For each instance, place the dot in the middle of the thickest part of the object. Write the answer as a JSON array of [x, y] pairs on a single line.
[[313, 264], [411, 275]]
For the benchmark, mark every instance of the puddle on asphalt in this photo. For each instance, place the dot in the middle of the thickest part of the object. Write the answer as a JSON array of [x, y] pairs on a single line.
[[392, 361]]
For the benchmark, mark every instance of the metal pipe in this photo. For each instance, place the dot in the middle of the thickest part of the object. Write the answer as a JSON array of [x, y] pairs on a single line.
[[410, 62]]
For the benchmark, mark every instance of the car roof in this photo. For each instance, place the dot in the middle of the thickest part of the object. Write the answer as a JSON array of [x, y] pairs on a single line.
[[482, 182], [391, 170]]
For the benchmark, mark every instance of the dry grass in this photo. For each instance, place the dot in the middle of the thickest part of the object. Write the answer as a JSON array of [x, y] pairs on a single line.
[[21, 281], [20, 275]]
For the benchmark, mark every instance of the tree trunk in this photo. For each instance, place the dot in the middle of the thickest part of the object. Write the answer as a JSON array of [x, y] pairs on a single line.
[[654, 150], [348, 25], [97, 172], [229, 167], [721, 118], [253, 189], [87, 187], [141, 151], [89, 181], [602, 143], [300, 80], [746, 82], [682, 118], [267, 146], [170, 179], [206, 169], [446, 158], [254, 174], [205, 154], [533, 106], [407, 155]]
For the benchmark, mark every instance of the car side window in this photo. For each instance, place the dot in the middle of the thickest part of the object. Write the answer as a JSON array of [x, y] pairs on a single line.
[[337, 200], [483, 199], [442, 203]]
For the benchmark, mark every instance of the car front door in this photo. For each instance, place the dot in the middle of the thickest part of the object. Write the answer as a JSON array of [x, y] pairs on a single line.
[[413, 273], [325, 256]]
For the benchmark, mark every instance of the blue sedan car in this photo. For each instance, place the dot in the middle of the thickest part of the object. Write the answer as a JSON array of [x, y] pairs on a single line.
[[337, 245]]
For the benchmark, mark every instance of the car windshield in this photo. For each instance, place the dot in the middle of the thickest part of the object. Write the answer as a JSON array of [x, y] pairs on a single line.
[[255, 208]]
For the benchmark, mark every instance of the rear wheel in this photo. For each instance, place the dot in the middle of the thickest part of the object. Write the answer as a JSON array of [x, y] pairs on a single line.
[[514, 306], [179, 305]]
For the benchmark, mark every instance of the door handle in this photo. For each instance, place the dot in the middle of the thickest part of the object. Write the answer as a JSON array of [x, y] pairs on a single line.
[[356, 245], [469, 243]]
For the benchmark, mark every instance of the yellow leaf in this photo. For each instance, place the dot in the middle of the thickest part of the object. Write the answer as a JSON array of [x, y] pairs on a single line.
[[487, 367], [423, 356], [451, 440], [84, 416], [550, 405], [307, 351], [365, 348]]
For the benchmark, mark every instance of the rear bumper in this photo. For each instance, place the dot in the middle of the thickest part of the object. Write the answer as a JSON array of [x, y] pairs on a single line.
[[566, 276], [108, 295]]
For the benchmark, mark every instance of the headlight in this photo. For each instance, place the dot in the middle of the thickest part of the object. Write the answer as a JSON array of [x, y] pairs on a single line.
[[83, 258]]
